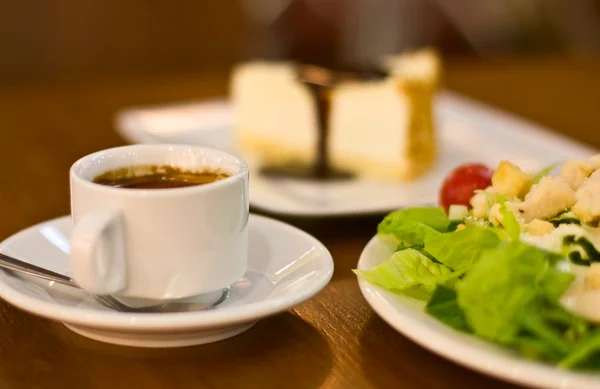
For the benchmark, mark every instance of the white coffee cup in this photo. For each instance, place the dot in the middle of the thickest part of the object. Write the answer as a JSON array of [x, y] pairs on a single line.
[[159, 243]]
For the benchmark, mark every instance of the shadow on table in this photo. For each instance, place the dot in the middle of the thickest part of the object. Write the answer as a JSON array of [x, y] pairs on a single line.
[[388, 357], [281, 351]]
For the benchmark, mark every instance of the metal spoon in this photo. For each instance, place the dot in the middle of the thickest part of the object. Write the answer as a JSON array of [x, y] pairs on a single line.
[[16, 265]]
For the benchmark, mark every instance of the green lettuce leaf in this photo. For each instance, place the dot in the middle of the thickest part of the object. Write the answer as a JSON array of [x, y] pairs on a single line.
[[537, 349], [420, 247], [511, 227], [572, 327], [509, 222], [548, 332], [413, 225], [405, 269], [497, 289], [555, 283], [434, 217], [403, 246], [443, 306], [586, 353], [511, 296], [556, 332], [458, 250], [555, 346]]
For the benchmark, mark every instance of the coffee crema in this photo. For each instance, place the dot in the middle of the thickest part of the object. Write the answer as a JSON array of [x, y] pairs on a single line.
[[158, 177]]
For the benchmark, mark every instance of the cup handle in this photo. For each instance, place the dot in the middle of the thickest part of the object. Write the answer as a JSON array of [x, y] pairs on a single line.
[[98, 257]]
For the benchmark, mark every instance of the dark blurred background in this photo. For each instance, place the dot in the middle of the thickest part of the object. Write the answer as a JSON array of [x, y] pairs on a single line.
[[49, 40]]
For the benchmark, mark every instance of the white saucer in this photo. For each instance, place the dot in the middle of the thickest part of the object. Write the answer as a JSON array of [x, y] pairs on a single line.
[[407, 316], [468, 132], [286, 267]]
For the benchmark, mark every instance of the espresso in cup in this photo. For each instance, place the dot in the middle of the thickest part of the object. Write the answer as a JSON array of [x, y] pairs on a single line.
[[158, 177], [160, 243]]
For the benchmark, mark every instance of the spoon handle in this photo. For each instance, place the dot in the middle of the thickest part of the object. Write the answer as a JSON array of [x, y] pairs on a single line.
[[10, 263], [16, 265]]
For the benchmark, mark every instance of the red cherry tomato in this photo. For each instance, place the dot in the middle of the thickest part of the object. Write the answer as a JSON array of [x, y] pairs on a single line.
[[462, 182]]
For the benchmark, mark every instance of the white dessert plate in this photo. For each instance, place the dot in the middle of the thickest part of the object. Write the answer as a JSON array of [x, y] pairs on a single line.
[[407, 316], [468, 132], [286, 267]]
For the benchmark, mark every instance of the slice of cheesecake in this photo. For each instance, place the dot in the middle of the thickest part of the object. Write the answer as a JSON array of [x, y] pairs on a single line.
[[375, 125]]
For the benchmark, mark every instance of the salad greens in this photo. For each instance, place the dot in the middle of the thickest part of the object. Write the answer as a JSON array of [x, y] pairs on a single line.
[[443, 306], [408, 268], [497, 291], [483, 280], [412, 225], [457, 250], [509, 221]]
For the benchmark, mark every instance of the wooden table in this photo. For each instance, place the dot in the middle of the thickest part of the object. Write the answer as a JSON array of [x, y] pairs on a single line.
[[333, 341]]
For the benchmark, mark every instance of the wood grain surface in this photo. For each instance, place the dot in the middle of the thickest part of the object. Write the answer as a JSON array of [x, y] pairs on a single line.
[[332, 341]]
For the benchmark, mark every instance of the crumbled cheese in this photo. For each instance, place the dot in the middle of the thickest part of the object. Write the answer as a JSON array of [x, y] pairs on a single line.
[[587, 207], [553, 241], [509, 180], [513, 206], [479, 202], [546, 199], [495, 215], [575, 172], [592, 277], [538, 227]]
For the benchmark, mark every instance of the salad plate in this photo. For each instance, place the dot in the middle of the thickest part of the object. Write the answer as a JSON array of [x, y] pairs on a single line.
[[503, 277], [286, 267], [407, 315], [468, 131]]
